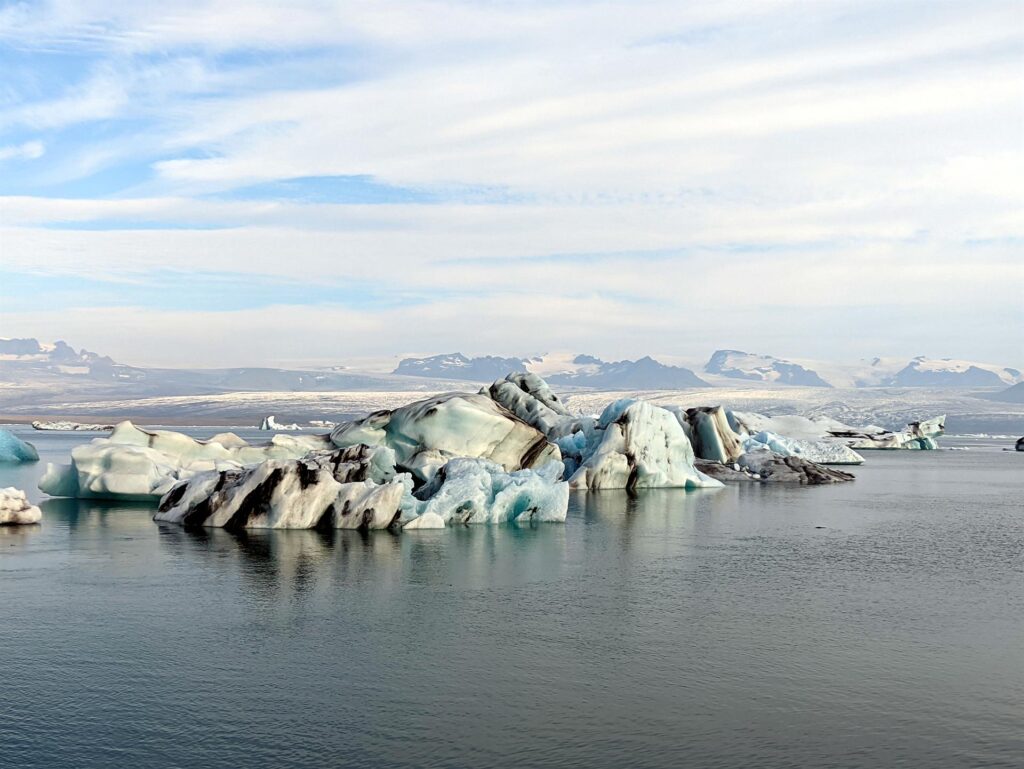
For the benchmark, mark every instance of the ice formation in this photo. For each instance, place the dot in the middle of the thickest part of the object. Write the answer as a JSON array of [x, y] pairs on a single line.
[[269, 423], [357, 488], [764, 465], [15, 508], [138, 464], [426, 434], [71, 426], [14, 449], [916, 435], [710, 433], [351, 488], [822, 452], [642, 446], [478, 491]]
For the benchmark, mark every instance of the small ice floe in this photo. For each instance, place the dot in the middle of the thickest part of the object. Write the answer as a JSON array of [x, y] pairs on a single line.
[[15, 508]]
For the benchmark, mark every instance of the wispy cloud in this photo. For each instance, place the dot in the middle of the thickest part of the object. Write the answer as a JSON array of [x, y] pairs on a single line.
[[664, 166]]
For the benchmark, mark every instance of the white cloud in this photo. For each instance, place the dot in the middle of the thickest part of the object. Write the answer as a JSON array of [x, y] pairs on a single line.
[[778, 159], [27, 151]]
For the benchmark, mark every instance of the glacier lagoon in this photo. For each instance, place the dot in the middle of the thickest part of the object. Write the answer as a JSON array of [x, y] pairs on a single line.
[[706, 627]]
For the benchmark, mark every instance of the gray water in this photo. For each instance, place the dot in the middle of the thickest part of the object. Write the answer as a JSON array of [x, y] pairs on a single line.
[[872, 624]]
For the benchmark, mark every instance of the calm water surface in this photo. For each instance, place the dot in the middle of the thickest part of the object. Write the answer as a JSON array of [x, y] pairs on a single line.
[[872, 624]]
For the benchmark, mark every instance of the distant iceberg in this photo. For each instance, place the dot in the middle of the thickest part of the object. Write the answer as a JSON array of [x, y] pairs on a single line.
[[14, 450], [269, 423], [71, 426]]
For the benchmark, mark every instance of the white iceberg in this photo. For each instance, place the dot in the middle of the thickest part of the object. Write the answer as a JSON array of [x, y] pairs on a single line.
[[426, 434], [15, 509], [64, 426], [642, 446], [139, 464], [822, 452], [14, 450], [269, 423]]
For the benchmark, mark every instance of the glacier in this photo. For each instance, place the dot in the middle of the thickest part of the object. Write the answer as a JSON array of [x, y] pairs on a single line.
[[15, 508], [14, 450]]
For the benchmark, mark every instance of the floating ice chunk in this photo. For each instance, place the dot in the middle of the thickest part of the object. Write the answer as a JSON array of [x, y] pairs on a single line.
[[269, 423], [351, 488], [139, 464], [823, 452], [15, 508], [642, 446], [425, 521], [769, 466], [916, 435], [14, 449], [478, 491], [451, 425], [71, 426]]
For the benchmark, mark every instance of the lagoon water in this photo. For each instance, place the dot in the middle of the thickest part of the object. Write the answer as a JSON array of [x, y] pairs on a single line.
[[877, 623]]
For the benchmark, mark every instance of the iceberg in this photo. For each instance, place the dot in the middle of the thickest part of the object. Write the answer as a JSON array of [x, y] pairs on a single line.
[[710, 433], [916, 435], [468, 491], [13, 449], [764, 465], [71, 426], [822, 452], [269, 423], [426, 434], [15, 509], [641, 446], [139, 464], [357, 488], [351, 488]]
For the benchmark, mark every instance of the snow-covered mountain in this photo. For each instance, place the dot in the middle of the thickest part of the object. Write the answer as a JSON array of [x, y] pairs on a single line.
[[560, 370], [457, 366], [735, 364], [643, 374], [21, 358], [946, 372]]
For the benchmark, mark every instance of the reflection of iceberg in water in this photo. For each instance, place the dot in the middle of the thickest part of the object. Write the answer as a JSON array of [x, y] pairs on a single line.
[[347, 565], [108, 514]]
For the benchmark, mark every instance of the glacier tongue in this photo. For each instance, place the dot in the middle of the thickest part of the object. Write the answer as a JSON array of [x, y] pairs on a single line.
[[642, 446]]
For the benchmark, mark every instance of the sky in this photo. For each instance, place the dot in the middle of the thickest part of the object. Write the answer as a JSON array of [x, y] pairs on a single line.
[[217, 182]]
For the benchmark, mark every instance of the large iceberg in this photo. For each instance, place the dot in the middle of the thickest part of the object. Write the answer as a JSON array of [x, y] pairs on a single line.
[[642, 446], [351, 488], [139, 464], [15, 508], [14, 449], [426, 434], [357, 488]]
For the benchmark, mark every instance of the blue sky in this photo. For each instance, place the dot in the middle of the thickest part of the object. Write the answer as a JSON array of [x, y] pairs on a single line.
[[837, 180]]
